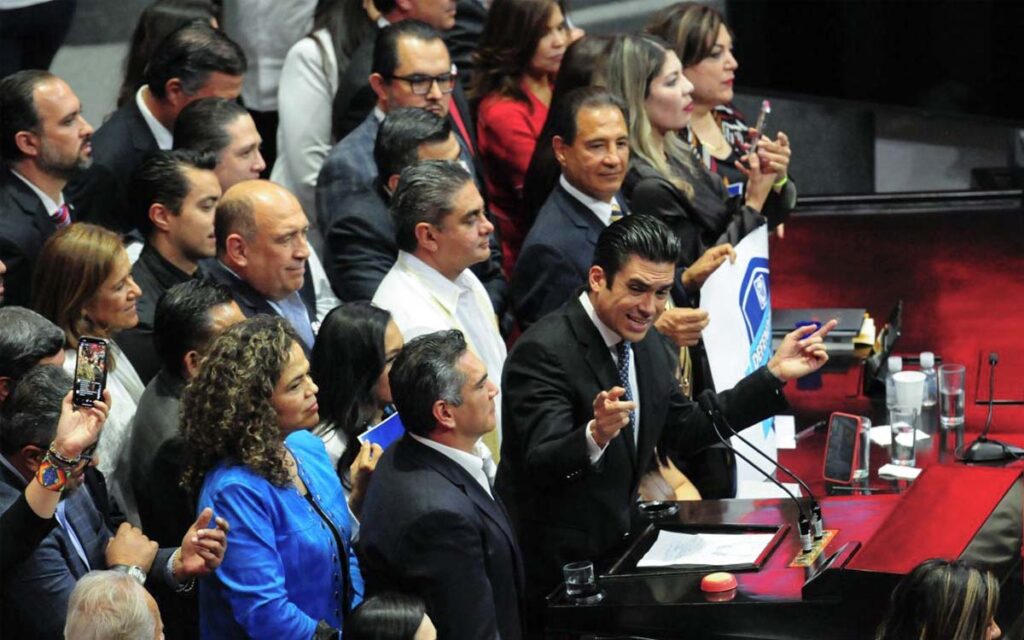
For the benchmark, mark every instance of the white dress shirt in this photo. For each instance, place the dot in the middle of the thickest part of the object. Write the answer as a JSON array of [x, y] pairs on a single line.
[[611, 340], [602, 210], [164, 138], [475, 464], [423, 301]]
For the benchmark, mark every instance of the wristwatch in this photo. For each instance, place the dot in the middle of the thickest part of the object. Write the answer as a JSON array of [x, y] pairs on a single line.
[[132, 570]]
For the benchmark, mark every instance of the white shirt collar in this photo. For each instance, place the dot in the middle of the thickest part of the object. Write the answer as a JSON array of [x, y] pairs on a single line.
[[379, 114], [611, 339], [603, 210], [474, 463], [164, 138], [48, 203], [383, 22], [447, 292]]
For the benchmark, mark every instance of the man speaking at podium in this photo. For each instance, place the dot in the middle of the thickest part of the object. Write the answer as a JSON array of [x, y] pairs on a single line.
[[580, 382]]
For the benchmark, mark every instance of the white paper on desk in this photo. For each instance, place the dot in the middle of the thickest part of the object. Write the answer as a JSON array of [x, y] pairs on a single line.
[[753, 490], [714, 549], [882, 435], [738, 338]]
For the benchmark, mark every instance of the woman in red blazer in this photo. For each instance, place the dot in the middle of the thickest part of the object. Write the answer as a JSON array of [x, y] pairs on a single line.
[[521, 50]]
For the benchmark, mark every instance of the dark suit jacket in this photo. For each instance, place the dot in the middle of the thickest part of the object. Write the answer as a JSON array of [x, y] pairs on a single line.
[[429, 527], [24, 226], [154, 275], [348, 167], [355, 99], [556, 257], [567, 509], [102, 193], [252, 302], [35, 592], [360, 248], [464, 38]]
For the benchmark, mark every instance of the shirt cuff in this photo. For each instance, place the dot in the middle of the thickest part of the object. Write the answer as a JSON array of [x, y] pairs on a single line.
[[594, 450]]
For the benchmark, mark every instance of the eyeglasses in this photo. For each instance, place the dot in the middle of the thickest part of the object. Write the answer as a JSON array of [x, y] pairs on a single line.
[[421, 83]]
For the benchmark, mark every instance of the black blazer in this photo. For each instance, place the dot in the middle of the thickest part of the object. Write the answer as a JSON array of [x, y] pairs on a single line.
[[24, 226], [252, 302], [103, 193], [428, 526], [556, 257], [565, 508]]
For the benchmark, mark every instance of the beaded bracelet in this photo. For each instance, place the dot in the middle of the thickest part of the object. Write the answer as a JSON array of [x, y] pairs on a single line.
[[61, 460]]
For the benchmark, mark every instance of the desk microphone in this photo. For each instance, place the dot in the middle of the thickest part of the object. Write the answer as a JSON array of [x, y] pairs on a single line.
[[708, 401], [816, 518], [983, 449]]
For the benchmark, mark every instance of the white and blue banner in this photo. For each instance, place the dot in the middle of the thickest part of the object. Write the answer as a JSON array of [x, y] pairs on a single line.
[[738, 338]]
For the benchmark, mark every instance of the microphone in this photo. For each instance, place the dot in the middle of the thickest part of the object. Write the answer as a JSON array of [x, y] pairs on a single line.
[[708, 402], [816, 517], [983, 449]]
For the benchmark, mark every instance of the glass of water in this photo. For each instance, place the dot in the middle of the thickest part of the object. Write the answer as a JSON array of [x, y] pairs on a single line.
[[580, 581], [951, 395], [901, 421]]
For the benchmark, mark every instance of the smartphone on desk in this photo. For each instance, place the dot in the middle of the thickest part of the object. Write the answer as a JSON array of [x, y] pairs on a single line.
[[842, 447], [90, 371]]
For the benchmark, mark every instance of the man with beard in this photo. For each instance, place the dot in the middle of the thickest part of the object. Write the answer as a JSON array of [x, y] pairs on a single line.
[[44, 141]]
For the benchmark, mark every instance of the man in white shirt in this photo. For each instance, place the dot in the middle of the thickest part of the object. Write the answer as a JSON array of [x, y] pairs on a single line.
[[194, 62], [442, 230], [431, 522], [44, 142]]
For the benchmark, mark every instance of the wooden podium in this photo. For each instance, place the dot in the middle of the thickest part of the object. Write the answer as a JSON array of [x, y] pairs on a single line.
[[950, 512]]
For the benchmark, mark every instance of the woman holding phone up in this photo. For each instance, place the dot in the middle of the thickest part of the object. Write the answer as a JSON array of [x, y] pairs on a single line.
[[717, 133]]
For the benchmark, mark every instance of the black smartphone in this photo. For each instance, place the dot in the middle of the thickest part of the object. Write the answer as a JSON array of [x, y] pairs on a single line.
[[842, 448], [90, 371]]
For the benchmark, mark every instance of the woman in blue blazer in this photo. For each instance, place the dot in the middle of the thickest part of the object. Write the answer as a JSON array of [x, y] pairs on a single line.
[[291, 571]]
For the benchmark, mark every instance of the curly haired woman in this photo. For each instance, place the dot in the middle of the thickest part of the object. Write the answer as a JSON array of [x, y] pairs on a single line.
[[292, 572]]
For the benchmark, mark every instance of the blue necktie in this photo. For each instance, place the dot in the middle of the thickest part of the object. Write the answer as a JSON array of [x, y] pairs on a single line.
[[624, 351]]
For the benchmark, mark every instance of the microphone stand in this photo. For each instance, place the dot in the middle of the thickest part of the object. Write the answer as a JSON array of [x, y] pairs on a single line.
[[983, 449], [817, 521], [803, 522]]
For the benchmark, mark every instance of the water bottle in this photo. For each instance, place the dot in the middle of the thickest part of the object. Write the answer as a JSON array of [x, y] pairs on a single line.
[[895, 366], [931, 388]]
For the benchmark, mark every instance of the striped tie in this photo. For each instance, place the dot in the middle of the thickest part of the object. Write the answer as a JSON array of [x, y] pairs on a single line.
[[62, 216], [616, 211]]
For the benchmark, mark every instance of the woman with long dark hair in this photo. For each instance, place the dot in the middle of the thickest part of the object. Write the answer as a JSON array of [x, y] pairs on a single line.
[[520, 53], [352, 356], [391, 616], [246, 421]]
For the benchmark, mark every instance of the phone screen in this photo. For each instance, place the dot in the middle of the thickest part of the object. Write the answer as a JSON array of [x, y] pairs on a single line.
[[90, 371], [840, 452]]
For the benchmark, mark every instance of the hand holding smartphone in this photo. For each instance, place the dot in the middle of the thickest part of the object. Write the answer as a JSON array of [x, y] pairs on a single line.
[[90, 371]]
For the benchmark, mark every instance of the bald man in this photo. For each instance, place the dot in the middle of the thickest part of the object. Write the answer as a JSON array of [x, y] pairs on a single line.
[[262, 254]]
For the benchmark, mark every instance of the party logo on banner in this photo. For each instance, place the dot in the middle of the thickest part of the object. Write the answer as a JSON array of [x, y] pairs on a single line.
[[756, 307]]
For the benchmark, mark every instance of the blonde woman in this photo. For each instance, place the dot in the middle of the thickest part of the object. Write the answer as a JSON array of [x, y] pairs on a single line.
[[664, 179]]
